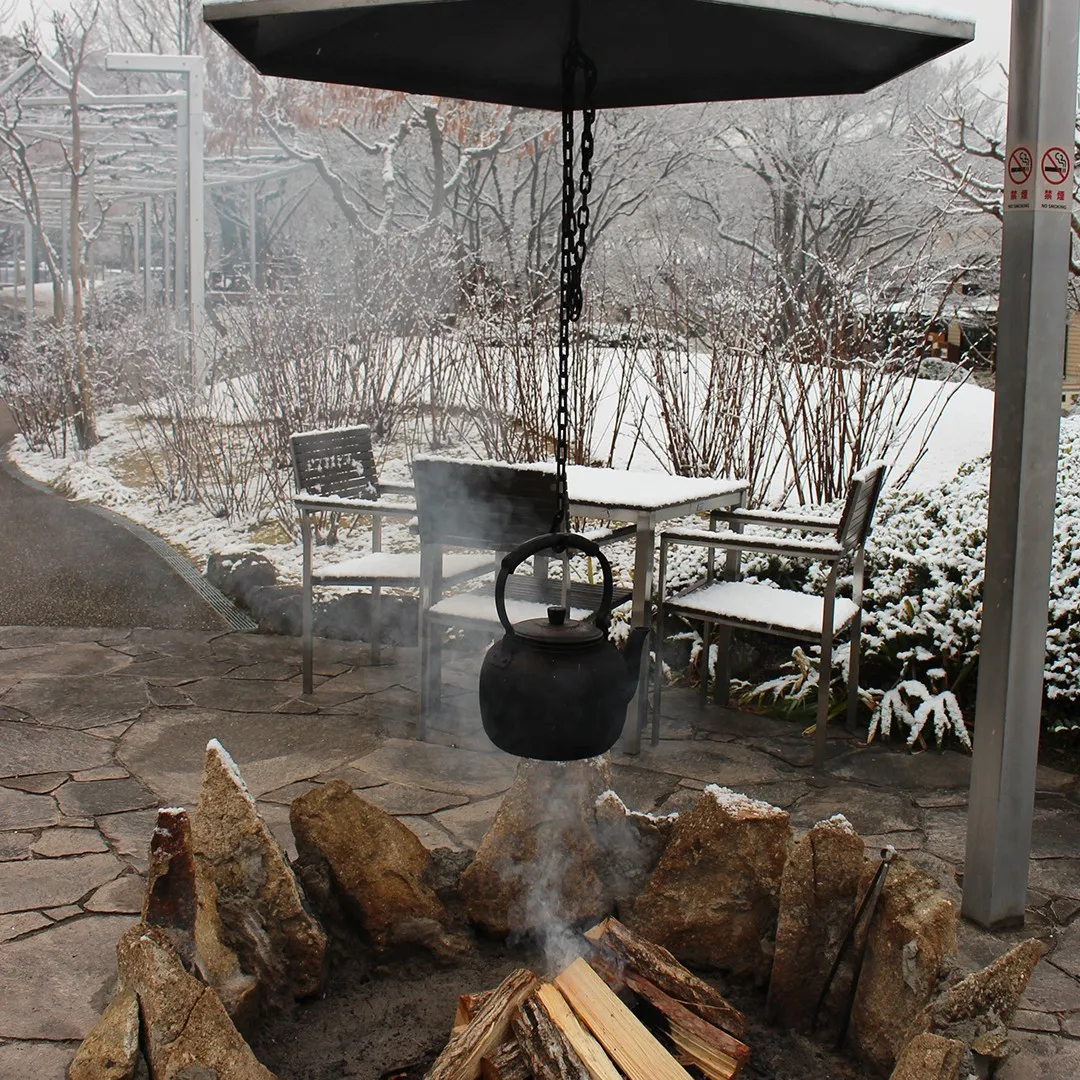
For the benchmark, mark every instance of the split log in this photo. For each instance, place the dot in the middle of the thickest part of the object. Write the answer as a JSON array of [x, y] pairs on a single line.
[[545, 1048], [467, 1007], [627, 1041], [628, 950], [506, 1062], [460, 1059], [596, 1062], [717, 1054]]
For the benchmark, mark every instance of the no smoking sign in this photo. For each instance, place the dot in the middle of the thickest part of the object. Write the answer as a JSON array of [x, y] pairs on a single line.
[[1049, 186]]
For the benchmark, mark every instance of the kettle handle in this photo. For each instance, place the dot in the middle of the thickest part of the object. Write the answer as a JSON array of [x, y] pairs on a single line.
[[558, 541]]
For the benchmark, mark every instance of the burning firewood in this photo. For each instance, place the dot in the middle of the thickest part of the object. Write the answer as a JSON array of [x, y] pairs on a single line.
[[619, 950]]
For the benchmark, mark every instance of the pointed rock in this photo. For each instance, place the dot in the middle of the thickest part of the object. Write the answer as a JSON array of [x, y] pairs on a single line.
[[186, 1031], [930, 1057], [536, 869], [988, 997], [913, 931], [817, 904], [111, 1050], [632, 844], [258, 900], [219, 965], [375, 868], [170, 882], [714, 896]]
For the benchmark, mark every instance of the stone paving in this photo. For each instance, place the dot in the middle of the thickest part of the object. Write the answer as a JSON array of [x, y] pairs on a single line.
[[99, 727]]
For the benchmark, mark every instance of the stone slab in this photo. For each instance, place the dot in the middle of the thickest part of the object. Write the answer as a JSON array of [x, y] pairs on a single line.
[[939, 800], [1056, 877], [17, 923], [284, 796], [642, 789], [15, 845], [397, 799], [65, 911], [1050, 990], [129, 834], [105, 772], [439, 768], [80, 702], [237, 695], [38, 784], [37, 1060], [56, 843], [20, 810], [271, 670], [94, 797], [870, 811], [429, 834], [26, 749], [1041, 1057], [469, 824], [55, 983], [276, 817], [726, 764], [123, 896], [883, 766], [946, 834], [179, 670], [110, 731], [1055, 832], [1066, 953], [1026, 1020], [165, 747], [45, 883], [62, 658]]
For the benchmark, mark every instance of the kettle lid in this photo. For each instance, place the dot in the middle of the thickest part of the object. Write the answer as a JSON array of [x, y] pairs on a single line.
[[558, 631]]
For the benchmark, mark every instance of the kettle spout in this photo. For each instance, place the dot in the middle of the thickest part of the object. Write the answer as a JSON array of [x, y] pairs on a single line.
[[632, 651]]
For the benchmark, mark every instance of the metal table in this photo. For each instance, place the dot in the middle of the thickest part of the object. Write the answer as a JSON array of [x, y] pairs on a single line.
[[644, 500]]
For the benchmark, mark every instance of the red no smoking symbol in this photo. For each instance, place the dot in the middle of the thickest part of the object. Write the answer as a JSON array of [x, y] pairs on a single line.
[[1056, 165], [1020, 165]]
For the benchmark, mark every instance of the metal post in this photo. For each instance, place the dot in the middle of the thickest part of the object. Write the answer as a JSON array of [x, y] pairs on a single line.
[[253, 277], [166, 270], [146, 254], [1031, 337], [28, 258], [195, 71], [180, 218]]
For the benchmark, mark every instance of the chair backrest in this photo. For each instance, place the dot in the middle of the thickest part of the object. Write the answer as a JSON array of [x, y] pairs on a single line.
[[862, 499], [336, 462], [473, 504]]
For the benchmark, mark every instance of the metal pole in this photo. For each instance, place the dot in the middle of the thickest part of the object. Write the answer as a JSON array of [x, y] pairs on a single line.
[[28, 259], [146, 254], [180, 218], [196, 236], [166, 270], [253, 278], [1031, 340]]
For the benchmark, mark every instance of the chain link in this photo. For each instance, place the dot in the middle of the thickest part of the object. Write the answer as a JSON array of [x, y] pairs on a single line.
[[573, 248]]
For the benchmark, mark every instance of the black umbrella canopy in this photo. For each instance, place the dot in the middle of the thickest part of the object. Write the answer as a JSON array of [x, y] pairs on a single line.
[[647, 52]]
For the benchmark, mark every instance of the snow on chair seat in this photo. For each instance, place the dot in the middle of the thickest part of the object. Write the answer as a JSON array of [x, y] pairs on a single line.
[[475, 607], [761, 607], [398, 568]]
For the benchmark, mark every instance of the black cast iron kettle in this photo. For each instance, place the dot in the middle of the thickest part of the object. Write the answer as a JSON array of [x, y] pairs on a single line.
[[556, 688]]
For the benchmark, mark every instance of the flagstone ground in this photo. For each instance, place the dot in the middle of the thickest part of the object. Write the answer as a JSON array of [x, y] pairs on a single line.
[[98, 727]]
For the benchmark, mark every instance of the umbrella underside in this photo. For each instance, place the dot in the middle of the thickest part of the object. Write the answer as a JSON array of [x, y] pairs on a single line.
[[646, 53]]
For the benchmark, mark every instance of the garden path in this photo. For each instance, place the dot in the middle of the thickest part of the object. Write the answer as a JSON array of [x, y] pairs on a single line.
[[100, 726], [63, 565]]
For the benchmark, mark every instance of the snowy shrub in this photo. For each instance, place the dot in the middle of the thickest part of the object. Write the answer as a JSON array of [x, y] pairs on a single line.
[[925, 564]]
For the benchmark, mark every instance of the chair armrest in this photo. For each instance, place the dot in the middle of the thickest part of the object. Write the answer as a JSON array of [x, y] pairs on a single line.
[[779, 519], [829, 550], [354, 506], [604, 536], [396, 489]]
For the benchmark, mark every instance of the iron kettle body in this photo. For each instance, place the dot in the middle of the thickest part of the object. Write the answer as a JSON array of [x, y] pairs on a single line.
[[557, 689]]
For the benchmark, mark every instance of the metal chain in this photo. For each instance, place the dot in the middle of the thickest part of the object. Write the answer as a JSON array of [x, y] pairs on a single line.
[[573, 249]]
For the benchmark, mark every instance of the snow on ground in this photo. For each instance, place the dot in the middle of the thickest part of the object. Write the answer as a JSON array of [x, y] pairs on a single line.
[[104, 475]]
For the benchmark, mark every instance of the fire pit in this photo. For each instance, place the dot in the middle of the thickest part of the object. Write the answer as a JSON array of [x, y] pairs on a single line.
[[237, 941]]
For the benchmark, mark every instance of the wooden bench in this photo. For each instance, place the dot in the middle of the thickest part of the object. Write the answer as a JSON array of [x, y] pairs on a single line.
[[489, 508], [335, 472]]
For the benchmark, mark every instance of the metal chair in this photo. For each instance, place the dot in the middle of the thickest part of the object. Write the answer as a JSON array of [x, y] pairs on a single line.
[[335, 472], [730, 603]]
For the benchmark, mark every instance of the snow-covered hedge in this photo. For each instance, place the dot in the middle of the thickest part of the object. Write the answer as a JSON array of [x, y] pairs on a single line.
[[924, 606]]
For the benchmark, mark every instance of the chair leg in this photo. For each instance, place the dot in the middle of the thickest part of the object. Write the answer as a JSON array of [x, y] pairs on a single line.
[[703, 671], [307, 660], [376, 624], [821, 733], [722, 688], [853, 674]]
